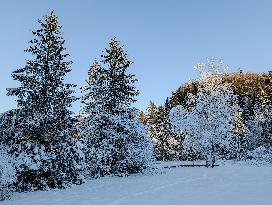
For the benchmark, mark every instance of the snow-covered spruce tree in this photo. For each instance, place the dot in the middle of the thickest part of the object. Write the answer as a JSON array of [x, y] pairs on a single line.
[[160, 132], [208, 121], [45, 143], [116, 140]]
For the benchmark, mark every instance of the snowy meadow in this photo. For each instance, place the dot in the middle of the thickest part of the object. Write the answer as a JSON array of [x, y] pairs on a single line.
[[230, 183]]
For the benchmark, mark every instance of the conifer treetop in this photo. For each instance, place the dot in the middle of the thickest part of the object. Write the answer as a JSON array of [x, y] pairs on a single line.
[[43, 97], [48, 66], [115, 56], [120, 84]]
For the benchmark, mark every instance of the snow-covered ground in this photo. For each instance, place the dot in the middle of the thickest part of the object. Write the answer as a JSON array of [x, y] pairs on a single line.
[[229, 184]]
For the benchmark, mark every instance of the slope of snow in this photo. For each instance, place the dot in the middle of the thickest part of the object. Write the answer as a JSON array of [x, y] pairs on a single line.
[[231, 183]]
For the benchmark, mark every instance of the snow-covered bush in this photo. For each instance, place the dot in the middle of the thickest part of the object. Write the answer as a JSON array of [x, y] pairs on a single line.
[[109, 152], [7, 174], [137, 149], [260, 124], [262, 154], [208, 120], [41, 167]]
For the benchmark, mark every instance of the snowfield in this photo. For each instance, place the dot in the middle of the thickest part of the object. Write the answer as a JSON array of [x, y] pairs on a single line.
[[228, 184]]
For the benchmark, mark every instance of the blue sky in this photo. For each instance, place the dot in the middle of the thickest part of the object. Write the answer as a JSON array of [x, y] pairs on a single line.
[[164, 38]]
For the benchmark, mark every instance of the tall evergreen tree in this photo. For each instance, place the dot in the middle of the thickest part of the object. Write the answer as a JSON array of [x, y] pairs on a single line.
[[159, 129], [49, 155], [116, 141], [152, 120]]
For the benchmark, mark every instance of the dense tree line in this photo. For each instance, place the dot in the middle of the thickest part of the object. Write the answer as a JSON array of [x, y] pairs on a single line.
[[252, 128]]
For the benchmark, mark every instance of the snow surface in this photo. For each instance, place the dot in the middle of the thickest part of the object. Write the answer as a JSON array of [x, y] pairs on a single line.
[[230, 183]]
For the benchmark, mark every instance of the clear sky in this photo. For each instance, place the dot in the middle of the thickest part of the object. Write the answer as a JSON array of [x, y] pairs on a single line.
[[164, 38]]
